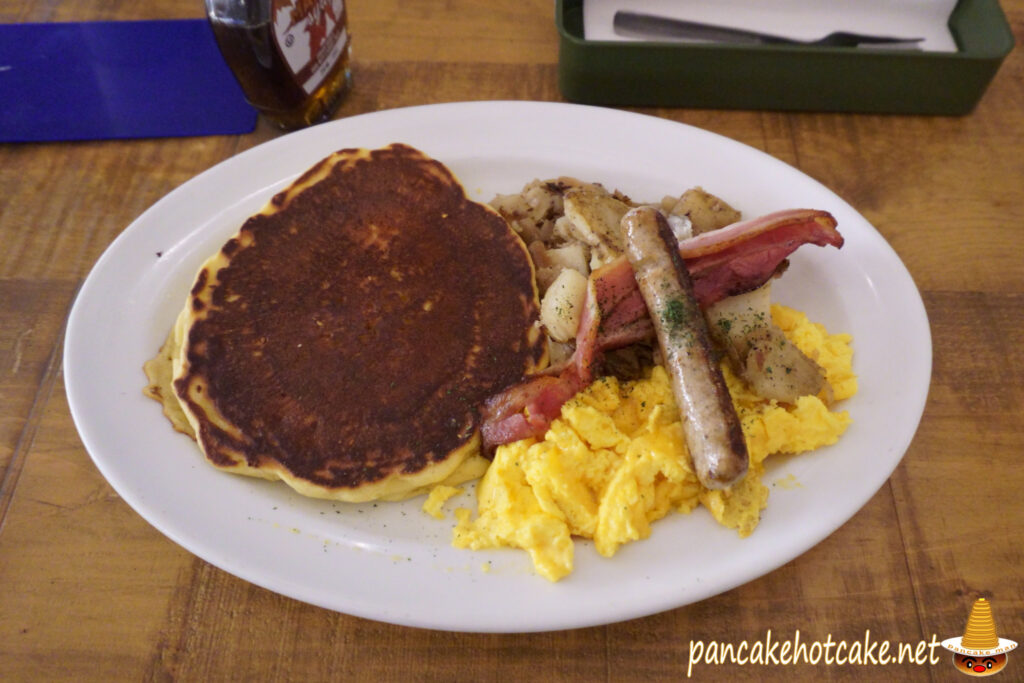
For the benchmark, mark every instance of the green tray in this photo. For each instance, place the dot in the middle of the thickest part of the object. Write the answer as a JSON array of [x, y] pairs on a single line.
[[672, 74]]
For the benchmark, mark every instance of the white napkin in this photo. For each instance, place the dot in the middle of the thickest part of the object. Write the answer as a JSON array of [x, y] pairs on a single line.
[[797, 19]]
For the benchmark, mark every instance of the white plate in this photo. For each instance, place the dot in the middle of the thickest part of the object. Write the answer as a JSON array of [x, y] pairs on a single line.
[[390, 561]]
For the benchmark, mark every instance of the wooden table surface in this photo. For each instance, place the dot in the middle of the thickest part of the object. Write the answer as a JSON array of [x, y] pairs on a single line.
[[90, 591]]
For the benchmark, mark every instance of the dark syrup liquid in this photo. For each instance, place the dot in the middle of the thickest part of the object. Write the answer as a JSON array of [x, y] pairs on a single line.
[[267, 81]]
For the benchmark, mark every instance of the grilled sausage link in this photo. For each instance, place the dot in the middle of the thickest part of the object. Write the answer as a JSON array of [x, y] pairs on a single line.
[[710, 423]]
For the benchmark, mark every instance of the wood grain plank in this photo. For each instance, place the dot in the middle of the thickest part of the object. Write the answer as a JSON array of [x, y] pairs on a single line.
[[387, 85], [86, 580], [382, 30], [958, 492], [944, 191], [33, 314], [779, 139], [102, 186], [314, 644], [920, 203], [454, 31]]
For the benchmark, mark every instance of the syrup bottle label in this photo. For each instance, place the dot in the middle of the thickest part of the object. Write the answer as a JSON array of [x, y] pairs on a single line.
[[311, 35]]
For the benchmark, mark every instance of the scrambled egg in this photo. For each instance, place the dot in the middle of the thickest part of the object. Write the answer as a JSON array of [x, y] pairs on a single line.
[[439, 495], [615, 461]]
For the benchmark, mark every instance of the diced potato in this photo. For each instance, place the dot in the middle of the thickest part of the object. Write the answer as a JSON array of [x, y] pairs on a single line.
[[559, 352], [705, 211], [593, 218], [546, 275], [570, 256], [772, 365], [550, 262], [562, 305], [681, 226], [564, 230], [531, 213], [539, 254]]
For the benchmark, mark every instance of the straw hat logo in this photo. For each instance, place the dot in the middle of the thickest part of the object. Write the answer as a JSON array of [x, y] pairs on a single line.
[[979, 652]]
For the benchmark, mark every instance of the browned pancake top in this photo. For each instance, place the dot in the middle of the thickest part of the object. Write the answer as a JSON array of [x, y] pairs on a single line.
[[360, 323]]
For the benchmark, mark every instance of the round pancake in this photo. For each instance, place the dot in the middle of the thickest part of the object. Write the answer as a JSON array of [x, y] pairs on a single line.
[[345, 338]]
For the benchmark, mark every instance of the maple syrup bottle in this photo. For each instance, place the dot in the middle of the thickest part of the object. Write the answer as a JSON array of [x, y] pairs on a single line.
[[291, 57]]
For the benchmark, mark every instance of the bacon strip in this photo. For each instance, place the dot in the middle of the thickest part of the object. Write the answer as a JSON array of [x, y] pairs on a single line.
[[735, 259], [527, 409], [743, 256]]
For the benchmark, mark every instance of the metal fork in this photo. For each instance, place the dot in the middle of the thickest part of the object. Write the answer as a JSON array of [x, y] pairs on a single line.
[[635, 24]]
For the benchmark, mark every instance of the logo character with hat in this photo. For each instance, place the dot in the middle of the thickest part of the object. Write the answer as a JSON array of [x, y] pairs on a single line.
[[979, 652]]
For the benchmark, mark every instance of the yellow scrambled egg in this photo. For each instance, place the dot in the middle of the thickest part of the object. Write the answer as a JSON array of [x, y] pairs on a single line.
[[615, 461], [439, 495]]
